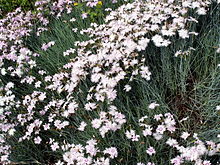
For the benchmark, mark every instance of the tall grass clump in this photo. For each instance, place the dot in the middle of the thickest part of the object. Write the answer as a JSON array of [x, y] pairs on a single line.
[[111, 82]]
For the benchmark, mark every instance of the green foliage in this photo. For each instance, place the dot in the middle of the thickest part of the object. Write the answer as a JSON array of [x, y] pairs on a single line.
[[7, 6]]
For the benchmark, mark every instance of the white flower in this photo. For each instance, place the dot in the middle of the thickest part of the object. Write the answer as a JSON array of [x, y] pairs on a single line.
[[11, 132], [206, 162], [90, 106], [153, 105], [37, 140], [142, 44], [157, 136], [54, 146], [183, 33], [158, 40], [42, 96], [59, 163], [171, 142], [9, 85], [185, 135], [127, 88], [72, 107], [96, 123], [3, 71], [145, 73], [82, 126], [72, 20], [201, 11]]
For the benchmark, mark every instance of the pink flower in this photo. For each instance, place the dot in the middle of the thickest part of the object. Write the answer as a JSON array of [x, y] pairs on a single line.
[[54, 146], [160, 129], [132, 135], [150, 151], [84, 15], [112, 151], [177, 160]]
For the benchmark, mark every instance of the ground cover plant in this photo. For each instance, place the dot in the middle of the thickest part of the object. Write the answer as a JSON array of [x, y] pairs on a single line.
[[111, 82]]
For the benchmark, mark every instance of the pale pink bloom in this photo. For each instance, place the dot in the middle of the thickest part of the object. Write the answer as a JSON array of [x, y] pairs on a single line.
[[91, 149], [177, 160], [46, 126], [42, 96], [44, 47], [158, 136], [185, 135], [90, 106], [160, 129], [84, 15], [132, 135], [172, 142], [150, 151], [158, 117], [72, 107], [54, 146], [96, 123], [4, 158], [147, 131], [37, 140], [112, 151], [82, 126]]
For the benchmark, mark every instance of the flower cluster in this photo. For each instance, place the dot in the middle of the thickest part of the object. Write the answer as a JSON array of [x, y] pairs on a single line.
[[78, 154], [82, 95], [163, 129], [112, 120]]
